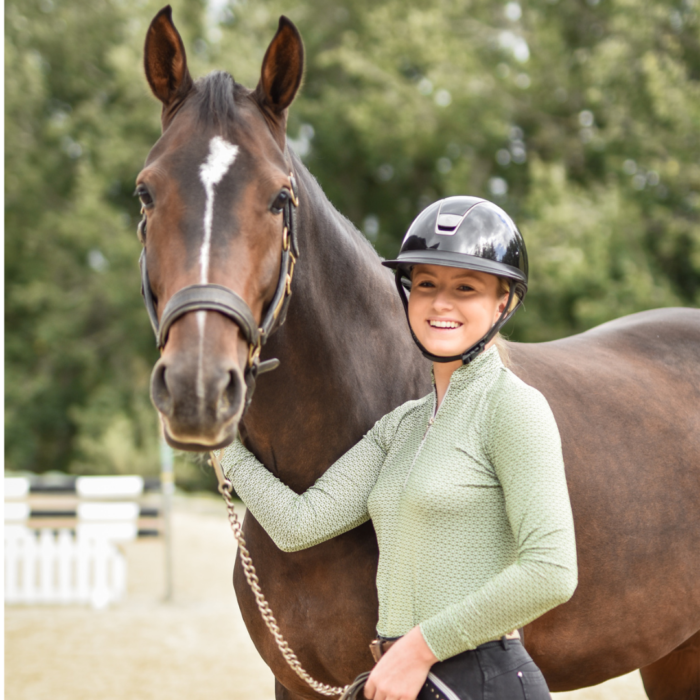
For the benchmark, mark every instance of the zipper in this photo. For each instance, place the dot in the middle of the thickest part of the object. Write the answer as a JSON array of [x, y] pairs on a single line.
[[443, 687], [431, 422]]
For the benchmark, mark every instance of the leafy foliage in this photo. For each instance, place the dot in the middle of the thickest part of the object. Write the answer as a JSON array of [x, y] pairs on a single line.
[[579, 118]]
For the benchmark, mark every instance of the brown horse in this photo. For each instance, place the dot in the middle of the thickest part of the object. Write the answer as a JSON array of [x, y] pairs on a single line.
[[216, 190]]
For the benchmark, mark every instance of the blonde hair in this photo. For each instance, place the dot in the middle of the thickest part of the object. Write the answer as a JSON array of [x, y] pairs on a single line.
[[499, 341]]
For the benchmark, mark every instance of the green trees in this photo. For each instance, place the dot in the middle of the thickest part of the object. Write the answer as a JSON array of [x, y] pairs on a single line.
[[580, 118], [77, 353]]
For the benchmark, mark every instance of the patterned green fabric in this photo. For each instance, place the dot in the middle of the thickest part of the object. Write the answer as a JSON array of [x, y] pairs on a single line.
[[471, 509]]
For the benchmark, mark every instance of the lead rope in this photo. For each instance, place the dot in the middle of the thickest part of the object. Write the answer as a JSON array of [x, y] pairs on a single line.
[[226, 489]]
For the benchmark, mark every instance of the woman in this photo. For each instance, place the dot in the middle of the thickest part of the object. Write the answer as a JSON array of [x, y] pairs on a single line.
[[465, 487]]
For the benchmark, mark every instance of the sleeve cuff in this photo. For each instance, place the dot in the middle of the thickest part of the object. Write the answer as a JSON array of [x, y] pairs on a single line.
[[444, 643]]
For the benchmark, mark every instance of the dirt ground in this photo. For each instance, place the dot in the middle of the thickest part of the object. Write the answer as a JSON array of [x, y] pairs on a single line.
[[145, 649]]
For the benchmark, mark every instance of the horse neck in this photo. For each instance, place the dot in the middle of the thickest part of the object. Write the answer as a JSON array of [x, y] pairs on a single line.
[[346, 355]]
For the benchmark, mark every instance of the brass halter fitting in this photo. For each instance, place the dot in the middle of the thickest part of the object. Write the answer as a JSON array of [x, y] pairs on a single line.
[[293, 184], [254, 351]]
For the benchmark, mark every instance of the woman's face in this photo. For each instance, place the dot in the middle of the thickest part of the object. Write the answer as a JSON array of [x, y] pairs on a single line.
[[450, 309]]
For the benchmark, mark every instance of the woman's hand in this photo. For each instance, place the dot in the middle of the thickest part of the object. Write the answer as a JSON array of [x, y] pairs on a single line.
[[401, 672]]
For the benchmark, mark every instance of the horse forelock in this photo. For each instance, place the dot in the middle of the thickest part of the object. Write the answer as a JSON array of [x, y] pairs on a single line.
[[214, 98]]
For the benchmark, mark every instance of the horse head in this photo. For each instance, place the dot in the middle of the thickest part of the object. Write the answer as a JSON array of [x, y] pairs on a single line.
[[217, 194]]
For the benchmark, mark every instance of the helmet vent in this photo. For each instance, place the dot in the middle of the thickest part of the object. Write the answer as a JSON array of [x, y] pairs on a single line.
[[447, 223]]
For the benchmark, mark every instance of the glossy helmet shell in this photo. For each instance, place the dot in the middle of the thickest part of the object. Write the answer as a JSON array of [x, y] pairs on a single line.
[[466, 232]]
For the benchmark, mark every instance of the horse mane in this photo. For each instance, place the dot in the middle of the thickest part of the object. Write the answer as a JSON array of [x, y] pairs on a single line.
[[214, 97], [345, 224]]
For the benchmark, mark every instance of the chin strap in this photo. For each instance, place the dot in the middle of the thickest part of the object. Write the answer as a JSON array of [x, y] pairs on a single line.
[[472, 352]]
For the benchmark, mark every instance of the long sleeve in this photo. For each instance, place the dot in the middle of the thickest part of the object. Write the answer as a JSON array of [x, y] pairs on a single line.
[[336, 503], [525, 451]]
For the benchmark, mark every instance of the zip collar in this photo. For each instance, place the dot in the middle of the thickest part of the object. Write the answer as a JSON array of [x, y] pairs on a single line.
[[486, 364]]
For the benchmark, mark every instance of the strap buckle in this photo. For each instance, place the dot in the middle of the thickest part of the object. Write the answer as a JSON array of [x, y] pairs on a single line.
[[293, 183], [473, 352], [254, 351], [290, 274]]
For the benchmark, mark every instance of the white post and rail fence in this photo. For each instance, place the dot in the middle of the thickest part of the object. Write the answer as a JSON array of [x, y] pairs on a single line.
[[62, 535]]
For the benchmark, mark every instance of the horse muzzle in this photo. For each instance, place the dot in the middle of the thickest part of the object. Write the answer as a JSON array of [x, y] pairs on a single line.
[[200, 403]]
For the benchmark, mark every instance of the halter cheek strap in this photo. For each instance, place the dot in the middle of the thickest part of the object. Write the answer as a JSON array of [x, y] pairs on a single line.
[[472, 352], [215, 297]]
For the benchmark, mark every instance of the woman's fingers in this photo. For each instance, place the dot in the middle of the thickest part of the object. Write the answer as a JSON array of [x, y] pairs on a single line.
[[378, 686], [401, 672]]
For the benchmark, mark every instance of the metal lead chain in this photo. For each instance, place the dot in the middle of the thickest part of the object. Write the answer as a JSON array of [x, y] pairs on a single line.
[[226, 489]]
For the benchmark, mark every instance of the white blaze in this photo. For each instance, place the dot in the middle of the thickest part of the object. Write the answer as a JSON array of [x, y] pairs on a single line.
[[222, 154], [211, 172]]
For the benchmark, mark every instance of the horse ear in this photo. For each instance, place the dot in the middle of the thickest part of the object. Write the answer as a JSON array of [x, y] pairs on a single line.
[[165, 60], [282, 69]]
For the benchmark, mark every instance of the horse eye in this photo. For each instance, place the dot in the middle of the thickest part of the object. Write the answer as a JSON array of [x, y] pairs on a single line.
[[143, 194], [280, 202]]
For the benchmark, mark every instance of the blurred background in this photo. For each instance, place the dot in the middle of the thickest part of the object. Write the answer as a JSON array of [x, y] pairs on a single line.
[[580, 117]]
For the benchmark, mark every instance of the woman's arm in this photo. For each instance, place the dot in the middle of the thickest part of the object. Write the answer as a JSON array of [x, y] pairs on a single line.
[[525, 450], [336, 503]]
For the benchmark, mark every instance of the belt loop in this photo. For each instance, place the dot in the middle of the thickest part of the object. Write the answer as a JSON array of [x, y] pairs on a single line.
[[504, 642], [375, 647]]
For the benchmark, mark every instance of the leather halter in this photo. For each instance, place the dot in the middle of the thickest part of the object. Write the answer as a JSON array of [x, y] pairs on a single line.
[[215, 297]]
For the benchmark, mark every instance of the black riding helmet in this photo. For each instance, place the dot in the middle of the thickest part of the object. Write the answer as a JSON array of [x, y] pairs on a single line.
[[471, 233]]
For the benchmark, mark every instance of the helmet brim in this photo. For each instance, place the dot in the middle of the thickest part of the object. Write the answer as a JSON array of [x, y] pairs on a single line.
[[406, 260]]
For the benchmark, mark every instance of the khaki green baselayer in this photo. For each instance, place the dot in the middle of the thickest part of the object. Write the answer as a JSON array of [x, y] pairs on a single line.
[[470, 507]]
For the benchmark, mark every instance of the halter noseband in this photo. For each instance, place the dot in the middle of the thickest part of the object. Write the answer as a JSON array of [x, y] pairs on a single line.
[[215, 297]]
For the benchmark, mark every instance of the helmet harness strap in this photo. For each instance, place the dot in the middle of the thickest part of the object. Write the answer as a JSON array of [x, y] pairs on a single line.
[[472, 352]]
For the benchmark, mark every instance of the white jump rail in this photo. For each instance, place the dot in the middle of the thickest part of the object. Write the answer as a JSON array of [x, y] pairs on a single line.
[[65, 568]]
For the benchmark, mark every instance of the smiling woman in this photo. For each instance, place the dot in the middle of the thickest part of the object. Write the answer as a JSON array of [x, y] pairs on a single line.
[[471, 509], [450, 308], [466, 233]]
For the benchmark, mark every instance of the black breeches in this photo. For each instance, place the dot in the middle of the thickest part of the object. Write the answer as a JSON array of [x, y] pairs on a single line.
[[500, 670]]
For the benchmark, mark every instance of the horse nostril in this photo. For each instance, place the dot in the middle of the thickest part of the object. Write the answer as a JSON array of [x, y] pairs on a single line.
[[232, 396], [160, 394]]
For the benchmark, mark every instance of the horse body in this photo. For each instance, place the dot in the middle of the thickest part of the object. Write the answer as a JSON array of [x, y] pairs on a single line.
[[625, 397]]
